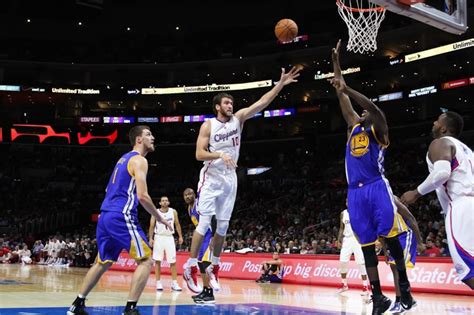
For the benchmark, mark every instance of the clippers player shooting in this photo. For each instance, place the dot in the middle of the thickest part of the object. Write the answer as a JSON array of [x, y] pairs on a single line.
[[371, 205], [118, 227], [451, 166], [218, 146]]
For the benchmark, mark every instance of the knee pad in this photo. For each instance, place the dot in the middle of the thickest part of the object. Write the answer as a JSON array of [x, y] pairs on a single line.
[[343, 268], [370, 256], [222, 226], [396, 250], [204, 224]]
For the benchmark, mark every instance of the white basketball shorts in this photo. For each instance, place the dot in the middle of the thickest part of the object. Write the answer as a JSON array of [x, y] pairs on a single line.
[[164, 245], [459, 225], [350, 246], [216, 193]]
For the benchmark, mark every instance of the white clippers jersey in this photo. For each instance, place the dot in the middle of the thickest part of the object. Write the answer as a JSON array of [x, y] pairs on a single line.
[[347, 224], [225, 137], [461, 180], [161, 229]]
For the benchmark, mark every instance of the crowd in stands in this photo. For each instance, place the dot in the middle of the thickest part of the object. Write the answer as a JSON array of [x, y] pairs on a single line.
[[294, 208], [77, 249]]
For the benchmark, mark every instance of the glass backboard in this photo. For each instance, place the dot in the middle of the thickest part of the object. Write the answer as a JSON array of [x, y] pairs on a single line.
[[447, 15]]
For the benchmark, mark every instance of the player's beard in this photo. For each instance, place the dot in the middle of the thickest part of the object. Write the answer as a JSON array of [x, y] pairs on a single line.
[[227, 114], [151, 147]]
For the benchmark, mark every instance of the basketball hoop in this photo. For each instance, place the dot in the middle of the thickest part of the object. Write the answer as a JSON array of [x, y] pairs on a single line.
[[363, 19]]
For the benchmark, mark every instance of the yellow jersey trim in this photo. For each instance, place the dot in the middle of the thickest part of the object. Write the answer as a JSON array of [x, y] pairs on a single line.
[[377, 139], [352, 131], [103, 262], [134, 253], [130, 172]]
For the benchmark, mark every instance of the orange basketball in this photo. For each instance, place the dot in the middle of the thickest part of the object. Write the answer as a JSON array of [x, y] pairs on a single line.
[[286, 30]]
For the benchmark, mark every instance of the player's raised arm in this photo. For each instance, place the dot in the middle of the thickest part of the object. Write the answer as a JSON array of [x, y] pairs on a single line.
[[285, 79], [202, 147], [440, 153], [139, 168], [348, 112]]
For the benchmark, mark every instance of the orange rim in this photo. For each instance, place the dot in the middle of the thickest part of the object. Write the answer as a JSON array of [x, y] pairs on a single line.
[[345, 7]]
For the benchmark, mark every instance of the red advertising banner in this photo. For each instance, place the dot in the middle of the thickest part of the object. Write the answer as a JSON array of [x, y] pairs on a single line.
[[457, 83], [454, 84], [436, 275], [169, 119]]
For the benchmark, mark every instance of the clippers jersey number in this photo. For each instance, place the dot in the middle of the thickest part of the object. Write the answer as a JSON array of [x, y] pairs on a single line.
[[235, 141]]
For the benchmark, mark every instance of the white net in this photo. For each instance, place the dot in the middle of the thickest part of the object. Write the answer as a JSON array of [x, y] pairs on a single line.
[[363, 19]]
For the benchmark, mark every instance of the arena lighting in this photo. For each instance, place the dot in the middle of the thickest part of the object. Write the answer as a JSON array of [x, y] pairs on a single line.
[[257, 170], [197, 118], [423, 91], [118, 120], [89, 119], [41, 136], [279, 112], [50, 133], [207, 88], [468, 43], [75, 91], [320, 76], [33, 89], [390, 97], [396, 61], [10, 88], [148, 120], [88, 137]]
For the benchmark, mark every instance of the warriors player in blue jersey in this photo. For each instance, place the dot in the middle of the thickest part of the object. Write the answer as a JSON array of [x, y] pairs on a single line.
[[118, 227], [206, 296], [371, 204]]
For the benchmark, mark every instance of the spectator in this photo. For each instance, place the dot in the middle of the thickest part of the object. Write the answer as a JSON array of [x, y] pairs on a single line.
[[324, 248], [24, 255], [271, 270], [431, 249]]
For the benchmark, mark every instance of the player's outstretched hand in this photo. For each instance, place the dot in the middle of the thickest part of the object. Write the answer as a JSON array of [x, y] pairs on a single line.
[[290, 77], [410, 197], [339, 85], [335, 53], [162, 220], [228, 160]]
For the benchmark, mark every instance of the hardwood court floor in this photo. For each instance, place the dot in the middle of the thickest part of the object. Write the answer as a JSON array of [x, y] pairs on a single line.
[[50, 290]]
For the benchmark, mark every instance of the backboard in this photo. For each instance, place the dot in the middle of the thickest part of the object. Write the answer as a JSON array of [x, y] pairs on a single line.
[[447, 15]]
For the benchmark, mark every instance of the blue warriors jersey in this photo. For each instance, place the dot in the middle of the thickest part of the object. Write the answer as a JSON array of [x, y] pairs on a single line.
[[364, 156], [121, 192], [204, 252]]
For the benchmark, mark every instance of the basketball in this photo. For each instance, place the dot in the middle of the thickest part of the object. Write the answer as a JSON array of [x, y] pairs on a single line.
[[286, 30]]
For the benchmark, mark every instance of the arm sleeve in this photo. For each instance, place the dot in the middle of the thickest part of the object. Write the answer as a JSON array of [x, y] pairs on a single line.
[[439, 176]]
